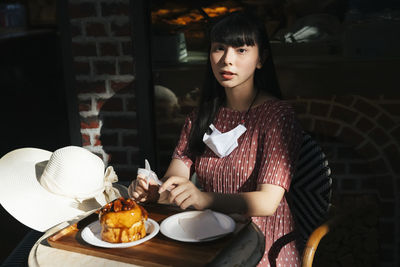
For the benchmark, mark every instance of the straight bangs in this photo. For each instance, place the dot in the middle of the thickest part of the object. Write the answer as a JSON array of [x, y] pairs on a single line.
[[234, 31]]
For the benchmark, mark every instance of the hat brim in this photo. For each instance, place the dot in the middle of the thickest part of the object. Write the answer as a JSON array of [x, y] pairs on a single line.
[[25, 199]]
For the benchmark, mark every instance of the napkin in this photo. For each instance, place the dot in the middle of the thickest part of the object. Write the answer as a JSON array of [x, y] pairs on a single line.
[[222, 144], [202, 226], [148, 173]]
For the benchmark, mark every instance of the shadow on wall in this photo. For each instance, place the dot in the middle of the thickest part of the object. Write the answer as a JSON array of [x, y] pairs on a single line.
[[119, 130], [119, 133]]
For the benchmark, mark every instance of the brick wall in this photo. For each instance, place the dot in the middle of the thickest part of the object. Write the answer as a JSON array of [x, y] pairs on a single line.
[[104, 74]]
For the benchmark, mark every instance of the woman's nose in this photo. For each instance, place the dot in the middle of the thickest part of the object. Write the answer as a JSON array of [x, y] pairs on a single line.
[[229, 56]]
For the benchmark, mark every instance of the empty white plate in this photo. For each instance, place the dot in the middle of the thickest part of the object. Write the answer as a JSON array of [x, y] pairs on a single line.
[[171, 228]]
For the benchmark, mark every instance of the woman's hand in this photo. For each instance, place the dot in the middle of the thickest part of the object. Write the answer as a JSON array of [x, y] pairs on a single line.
[[184, 193], [144, 191]]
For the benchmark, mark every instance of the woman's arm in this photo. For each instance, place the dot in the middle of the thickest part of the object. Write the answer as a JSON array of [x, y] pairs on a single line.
[[262, 202], [184, 193], [177, 168]]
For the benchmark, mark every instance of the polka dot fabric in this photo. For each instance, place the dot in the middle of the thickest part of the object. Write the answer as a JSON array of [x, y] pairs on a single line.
[[266, 154]]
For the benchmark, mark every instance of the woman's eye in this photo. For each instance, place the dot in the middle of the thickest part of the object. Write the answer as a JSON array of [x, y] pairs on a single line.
[[217, 48], [242, 50]]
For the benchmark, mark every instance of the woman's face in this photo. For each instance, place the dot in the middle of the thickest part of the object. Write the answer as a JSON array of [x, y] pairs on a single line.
[[234, 67]]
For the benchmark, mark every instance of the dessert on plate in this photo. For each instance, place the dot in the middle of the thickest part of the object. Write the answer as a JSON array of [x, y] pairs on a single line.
[[122, 220]]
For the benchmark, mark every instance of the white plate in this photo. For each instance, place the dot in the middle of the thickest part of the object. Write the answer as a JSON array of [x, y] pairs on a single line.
[[171, 228], [91, 234]]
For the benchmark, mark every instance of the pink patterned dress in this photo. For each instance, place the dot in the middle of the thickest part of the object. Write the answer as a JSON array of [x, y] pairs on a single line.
[[266, 154]]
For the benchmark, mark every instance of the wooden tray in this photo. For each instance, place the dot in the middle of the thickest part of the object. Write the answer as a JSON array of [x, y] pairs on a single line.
[[158, 251]]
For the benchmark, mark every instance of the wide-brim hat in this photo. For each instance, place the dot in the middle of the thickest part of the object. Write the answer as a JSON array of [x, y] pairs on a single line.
[[42, 189]]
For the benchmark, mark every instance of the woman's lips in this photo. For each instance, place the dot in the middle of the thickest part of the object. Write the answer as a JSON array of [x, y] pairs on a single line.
[[227, 75]]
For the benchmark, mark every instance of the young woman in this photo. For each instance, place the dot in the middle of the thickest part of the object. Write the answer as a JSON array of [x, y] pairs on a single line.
[[242, 141]]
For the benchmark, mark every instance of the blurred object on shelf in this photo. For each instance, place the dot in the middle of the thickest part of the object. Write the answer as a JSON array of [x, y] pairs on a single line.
[[189, 101], [169, 47], [372, 39], [316, 27], [42, 12], [166, 102], [192, 19], [184, 15], [355, 15], [12, 16], [374, 34]]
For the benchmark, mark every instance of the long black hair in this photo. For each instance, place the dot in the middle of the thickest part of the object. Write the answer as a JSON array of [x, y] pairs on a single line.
[[236, 29]]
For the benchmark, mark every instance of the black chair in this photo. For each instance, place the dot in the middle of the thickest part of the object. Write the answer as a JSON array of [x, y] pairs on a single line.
[[310, 192]]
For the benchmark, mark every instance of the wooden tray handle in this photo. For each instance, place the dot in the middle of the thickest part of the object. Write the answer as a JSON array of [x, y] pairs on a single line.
[[63, 232]]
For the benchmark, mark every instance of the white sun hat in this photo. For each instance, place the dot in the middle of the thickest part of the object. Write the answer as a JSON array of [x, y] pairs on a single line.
[[43, 189]]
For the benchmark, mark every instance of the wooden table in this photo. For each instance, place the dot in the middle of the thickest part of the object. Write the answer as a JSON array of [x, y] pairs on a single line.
[[245, 246]]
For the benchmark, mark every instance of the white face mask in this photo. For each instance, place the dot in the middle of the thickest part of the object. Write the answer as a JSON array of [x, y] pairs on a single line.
[[222, 144]]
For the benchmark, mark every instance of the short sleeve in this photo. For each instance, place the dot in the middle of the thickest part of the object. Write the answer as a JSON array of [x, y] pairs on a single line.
[[182, 149], [282, 141]]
